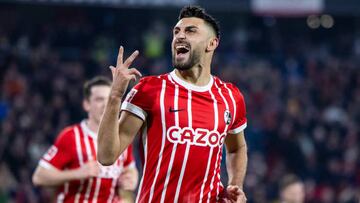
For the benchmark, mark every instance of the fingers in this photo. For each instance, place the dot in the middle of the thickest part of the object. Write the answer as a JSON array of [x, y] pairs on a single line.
[[242, 198], [113, 69], [120, 57], [127, 176], [91, 169], [134, 71], [226, 201], [128, 61], [131, 58], [235, 194], [127, 183], [234, 189]]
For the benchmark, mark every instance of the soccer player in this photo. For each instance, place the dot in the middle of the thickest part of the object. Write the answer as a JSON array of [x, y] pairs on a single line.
[[292, 190], [70, 164], [184, 117]]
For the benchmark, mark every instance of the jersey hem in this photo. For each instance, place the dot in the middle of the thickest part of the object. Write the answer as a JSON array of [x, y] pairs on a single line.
[[238, 129], [134, 109], [46, 165]]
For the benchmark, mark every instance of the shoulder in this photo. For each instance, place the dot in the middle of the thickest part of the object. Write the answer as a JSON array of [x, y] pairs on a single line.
[[150, 83], [230, 87], [152, 79], [68, 133]]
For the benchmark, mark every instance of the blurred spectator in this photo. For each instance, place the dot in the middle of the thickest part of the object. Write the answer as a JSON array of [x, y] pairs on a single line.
[[291, 190]]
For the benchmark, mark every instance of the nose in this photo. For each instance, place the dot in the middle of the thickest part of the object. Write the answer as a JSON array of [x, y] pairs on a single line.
[[180, 35]]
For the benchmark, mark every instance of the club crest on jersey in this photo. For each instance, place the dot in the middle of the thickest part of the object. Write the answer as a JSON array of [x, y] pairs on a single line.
[[227, 117]]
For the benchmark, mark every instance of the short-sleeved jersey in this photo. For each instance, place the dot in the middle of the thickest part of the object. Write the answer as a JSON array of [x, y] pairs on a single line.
[[75, 146], [183, 135]]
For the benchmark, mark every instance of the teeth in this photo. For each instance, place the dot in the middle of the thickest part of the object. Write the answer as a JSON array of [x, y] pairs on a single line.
[[181, 46]]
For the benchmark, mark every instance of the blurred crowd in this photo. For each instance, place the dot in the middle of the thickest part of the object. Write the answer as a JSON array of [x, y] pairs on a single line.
[[302, 89]]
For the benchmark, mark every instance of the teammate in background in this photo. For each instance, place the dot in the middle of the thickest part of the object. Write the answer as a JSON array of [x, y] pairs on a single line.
[[70, 164], [185, 117], [292, 190]]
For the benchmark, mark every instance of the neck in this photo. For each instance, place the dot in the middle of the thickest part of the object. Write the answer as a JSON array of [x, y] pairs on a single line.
[[92, 125], [198, 75]]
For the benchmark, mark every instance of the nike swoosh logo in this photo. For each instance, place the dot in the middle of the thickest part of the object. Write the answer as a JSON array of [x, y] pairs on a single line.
[[175, 110]]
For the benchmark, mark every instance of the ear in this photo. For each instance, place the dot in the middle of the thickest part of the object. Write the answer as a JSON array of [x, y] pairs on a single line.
[[212, 44], [86, 105]]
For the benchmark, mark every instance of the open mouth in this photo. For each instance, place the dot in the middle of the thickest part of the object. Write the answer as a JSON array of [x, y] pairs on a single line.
[[182, 50]]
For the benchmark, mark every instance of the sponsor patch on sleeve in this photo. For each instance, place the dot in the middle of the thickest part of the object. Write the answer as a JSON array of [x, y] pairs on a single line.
[[130, 95], [50, 153]]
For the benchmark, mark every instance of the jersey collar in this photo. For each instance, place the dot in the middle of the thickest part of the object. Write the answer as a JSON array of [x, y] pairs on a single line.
[[191, 86], [87, 130]]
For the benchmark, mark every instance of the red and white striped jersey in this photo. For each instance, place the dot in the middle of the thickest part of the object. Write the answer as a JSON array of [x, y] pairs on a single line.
[[182, 139], [74, 146]]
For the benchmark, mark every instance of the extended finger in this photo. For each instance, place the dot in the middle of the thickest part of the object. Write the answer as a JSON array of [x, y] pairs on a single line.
[[134, 71], [112, 68], [120, 56], [131, 58], [133, 78]]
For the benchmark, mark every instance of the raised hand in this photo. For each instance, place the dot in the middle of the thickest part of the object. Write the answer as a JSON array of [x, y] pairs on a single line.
[[122, 74]]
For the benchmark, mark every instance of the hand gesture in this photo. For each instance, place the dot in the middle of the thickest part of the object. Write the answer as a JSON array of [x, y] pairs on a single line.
[[128, 179], [89, 170], [122, 74], [234, 195]]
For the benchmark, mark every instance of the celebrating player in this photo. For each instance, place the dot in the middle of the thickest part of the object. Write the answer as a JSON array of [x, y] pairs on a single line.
[[184, 117], [71, 162]]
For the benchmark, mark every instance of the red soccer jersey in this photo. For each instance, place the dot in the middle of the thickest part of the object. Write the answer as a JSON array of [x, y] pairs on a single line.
[[74, 146], [183, 135]]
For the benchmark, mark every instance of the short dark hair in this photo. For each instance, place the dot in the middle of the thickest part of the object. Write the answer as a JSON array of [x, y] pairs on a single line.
[[96, 81], [198, 12], [288, 180]]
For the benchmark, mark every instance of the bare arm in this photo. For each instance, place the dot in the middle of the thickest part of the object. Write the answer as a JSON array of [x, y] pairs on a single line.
[[54, 177], [236, 158], [115, 135], [236, 163]]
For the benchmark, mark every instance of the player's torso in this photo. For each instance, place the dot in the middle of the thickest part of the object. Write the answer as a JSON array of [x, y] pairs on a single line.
[[84, 149], [187, 127], [99, 189]]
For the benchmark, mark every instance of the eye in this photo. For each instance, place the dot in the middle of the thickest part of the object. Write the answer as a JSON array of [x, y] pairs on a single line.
[[191, 30]]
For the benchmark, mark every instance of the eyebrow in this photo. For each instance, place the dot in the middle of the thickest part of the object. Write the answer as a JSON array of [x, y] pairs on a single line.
[[187, 27]]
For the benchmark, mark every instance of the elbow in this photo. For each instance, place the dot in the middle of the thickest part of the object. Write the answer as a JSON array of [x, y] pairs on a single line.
[[238, 150], [36, 180], [106, 156], [105, 160]]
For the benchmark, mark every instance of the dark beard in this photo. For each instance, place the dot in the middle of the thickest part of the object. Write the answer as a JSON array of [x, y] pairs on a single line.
[[194, 58]]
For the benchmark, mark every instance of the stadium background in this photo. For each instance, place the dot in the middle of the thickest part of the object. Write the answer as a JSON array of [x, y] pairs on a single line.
[[298, 69]]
